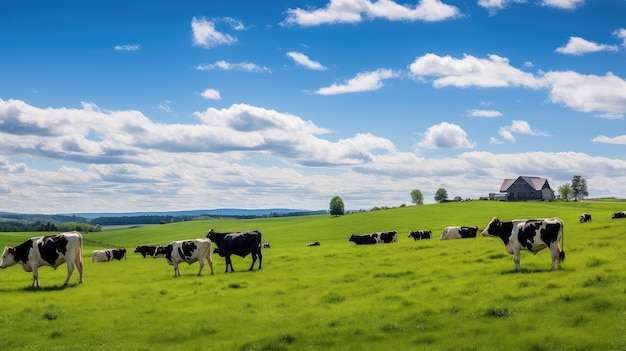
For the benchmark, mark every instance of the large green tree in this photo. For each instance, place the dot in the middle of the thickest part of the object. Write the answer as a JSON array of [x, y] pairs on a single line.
[[417, 197], [336, 206], [441, 195], [579, 188], [566, 191]]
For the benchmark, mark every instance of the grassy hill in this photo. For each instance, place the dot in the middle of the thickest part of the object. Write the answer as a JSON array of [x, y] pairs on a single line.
[[426, 295]]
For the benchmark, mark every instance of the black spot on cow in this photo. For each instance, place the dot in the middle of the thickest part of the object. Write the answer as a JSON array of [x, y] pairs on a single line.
[[50, 247]]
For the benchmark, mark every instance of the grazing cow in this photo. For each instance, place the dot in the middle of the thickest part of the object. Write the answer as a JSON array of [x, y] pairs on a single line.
[[108, 255], [585, 217], [315, 243], [364, 239], [456, 232], [146, 250], [266, 245], [238, 243], [188, 251], [420, 234], [529, 234], [51, 250], [619, 214], [388, 237]]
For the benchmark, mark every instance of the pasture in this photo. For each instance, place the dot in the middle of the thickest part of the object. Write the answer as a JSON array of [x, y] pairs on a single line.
[[410, 295]]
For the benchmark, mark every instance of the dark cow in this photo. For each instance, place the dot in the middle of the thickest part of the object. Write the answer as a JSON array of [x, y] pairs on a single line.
[[529, 234], [108, 255], [146, 250], [420, 234], [315, 243], [266, 245], [456, 232], [585, 217], [388, 237], [51, 250], [619, 214], [188, 251], [238, 243], [364, 239]]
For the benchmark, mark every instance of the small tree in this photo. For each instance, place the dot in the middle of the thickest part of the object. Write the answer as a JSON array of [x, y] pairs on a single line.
[[579, 188], [441, 195], [417, 197], [566, 191], [336, 206]]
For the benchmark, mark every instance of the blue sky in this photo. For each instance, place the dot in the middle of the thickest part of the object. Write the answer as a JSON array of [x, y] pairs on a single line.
[[172, 105]]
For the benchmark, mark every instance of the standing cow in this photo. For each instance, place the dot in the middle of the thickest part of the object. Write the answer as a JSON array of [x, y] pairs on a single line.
[[585, 217], [529, 234], [188, 251], [456, 232], [238, 243], [108, 255], [420, 234], [51, 250]]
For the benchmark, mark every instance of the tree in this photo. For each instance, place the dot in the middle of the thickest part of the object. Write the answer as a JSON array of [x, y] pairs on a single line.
[[566, 191], [441, 195], [579, 188], [336, 206], [417, 197]]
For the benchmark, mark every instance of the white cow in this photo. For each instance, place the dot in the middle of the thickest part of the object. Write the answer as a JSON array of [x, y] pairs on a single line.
[[188, 251], [52, 250], [457, 232], [529, 234], [108, 255]]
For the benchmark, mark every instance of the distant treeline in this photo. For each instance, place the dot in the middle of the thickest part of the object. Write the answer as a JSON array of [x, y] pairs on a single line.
[[12, 225]]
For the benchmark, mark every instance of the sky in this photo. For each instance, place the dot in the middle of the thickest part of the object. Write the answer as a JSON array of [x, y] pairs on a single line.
[[160, 105]]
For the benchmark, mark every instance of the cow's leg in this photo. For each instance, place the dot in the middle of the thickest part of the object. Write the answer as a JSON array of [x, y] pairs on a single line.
[[80, 265], [555, 251], [260, 258], [210, 259], [229, 263], [70, 270], [35, 270], [201, 265], [176, 270], [516, 259], [253, 260]]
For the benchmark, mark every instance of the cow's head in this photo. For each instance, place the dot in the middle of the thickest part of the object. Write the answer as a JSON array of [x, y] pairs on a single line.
[[492, 227], [8, 257]]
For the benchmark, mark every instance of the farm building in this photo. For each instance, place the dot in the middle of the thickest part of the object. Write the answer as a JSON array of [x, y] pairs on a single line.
[[525, 188]]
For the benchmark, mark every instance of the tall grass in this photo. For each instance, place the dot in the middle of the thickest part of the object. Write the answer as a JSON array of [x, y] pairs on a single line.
[[427, 295]]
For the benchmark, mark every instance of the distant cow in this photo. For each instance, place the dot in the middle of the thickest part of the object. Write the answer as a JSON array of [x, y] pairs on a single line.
[[375, 238], [188, 251], [420, 234], [108, 255], [585, 217], [529, 234], [315, 243], [266, 245], [51, 250], [456, 232], [619, 214], [238, 243], [146, 250], [388, 237]]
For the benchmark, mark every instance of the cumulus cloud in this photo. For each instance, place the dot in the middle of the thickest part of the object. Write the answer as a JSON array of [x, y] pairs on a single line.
[[355, 11], [131, 47], [446, 136], [472, 71], [305, 61], [619, 140], [621, 33], [365, 81], [228, 66], [518, 127], [587, 93], [206, 35], [484, 113], [580, 46], [211, 94], [563, 4]]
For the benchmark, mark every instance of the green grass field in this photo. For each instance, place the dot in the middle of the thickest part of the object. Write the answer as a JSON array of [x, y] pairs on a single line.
[[410, 295]]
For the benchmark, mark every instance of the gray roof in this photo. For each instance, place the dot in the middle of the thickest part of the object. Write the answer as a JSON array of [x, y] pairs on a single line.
[[536, 183]]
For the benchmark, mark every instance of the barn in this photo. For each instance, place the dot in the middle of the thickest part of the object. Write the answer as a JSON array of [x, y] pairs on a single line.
[[525, 188]]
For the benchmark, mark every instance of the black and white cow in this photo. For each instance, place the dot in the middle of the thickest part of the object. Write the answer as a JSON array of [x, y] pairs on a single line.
[[529, 234], [266, 245], [375, 238], [51, 250], [388, 237], [238, 243], [619, 214], [420, 234], [457, 232], [585, 217], [108, 255], [315, 243], [146, 250], [189, 251]]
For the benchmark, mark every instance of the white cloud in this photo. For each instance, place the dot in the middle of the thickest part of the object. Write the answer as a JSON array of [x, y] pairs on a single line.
[[610, 115], [621, 33], [580, 46], [305, 61], [471, 71], [228, 66], [484, 113], [132, 47], [518, 127], [587, 93], [165, 106], [446, 136], [354, 11], [563, 4], [206, 35], [619, 140], [211, 94], [365, 81], [494, 5]]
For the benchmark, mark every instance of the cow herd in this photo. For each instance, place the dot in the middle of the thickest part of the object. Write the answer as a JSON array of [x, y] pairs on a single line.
[[533, 235]]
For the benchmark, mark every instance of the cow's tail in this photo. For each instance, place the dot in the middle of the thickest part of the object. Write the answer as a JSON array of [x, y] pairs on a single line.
[[562, 250]]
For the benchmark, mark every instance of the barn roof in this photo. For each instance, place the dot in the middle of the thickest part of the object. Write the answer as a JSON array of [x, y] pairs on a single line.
[[536, 183]]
